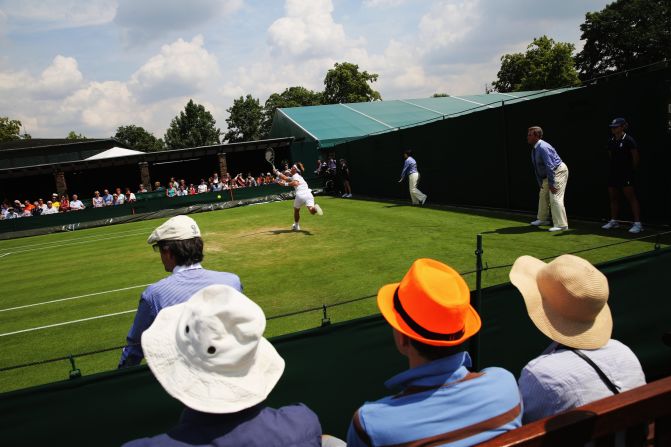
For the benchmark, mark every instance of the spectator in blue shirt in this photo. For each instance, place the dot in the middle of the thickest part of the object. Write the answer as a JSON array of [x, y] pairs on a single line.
[[108, 199], [181, 248], [410, 170], [439, 401], [552, 176], [210, 354]]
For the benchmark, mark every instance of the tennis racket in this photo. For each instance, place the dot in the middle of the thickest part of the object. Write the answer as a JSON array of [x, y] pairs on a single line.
[[270, 157]]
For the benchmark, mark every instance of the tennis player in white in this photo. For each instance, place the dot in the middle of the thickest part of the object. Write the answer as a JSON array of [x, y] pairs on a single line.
[[303, 194]]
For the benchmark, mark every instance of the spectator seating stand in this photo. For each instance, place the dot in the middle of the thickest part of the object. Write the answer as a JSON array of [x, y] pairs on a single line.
[[627, 413]]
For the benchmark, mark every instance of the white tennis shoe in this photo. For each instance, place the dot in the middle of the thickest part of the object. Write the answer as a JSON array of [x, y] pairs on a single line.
[[636, 228], [538, 222], [319, 210], [296, 227], [611, 224]]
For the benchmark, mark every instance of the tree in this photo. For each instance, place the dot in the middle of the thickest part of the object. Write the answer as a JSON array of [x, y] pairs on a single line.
[[138, 138], [244, 120], [345, 83], [545, 65], [194, 127], [625, 34], [72, 135], [290, 97], [11, 130]]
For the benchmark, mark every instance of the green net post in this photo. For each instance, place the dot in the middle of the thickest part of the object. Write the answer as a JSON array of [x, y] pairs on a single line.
[[475, 341], [75, 373]]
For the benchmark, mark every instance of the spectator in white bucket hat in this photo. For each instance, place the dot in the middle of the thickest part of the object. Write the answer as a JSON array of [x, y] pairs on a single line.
[[210, 354]]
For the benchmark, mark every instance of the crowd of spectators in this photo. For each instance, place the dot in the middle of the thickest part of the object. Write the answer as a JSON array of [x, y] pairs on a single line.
[[174, 188], [57, 204]]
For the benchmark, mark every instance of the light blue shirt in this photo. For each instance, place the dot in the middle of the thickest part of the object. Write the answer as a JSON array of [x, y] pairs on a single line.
[[451, 400], [545, 161], [176, 288], [559, 380], [409, 167]]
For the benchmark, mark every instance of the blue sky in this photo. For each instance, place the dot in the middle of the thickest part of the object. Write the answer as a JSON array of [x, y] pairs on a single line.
[[93, 65]]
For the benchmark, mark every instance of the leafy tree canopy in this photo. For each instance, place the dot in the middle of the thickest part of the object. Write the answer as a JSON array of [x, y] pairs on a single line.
[[193, 127], [290, 97], [11, 130], [545, 65], [625, 34], [138, 138], [244, 120], [72, 135], [345, 83]]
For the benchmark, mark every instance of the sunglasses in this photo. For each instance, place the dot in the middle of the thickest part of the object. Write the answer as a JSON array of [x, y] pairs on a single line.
[[156, 247]]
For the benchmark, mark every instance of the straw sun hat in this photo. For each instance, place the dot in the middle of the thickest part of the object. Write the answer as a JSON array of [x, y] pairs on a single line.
[[209, 352], [566, 299], [431, 304]]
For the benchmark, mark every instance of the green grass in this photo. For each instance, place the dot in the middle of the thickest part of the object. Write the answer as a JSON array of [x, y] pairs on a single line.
[[351, 251]]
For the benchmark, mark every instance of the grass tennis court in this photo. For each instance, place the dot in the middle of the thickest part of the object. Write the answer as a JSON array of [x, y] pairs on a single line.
[[76, 292]]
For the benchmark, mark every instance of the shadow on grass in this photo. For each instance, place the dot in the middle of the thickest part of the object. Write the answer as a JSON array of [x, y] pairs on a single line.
[[396, 205], [514, 230], [276, 232]]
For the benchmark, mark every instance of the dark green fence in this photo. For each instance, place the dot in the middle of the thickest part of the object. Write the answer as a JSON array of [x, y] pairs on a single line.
[[482, 159], [333, 369]]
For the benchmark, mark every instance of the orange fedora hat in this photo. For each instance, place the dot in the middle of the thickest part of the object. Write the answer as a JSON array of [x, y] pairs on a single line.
[[431, 305]]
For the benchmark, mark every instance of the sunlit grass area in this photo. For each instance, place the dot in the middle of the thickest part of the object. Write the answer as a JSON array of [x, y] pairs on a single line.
[[76, 292]]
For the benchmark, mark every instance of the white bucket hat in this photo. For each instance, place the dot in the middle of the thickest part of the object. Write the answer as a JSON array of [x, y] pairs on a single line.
[[177, 228], [566, 299], [209, 352]]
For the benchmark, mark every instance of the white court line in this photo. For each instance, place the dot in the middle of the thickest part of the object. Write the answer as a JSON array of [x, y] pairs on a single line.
[[79, 238], [72, 298], [71, 243], [67, 322]]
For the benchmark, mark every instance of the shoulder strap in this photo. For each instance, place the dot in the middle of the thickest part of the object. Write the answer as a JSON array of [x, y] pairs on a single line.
[[604, 378]]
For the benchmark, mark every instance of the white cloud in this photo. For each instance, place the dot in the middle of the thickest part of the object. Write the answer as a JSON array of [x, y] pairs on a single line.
[[61, 13], [181, 68], [102, 106], [147, 20], [60, 78], [449, 22], [308, 31], [383, 3]]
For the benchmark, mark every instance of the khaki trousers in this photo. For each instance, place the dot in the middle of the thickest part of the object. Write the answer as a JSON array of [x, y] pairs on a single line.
[[549, 202], [416, 195]]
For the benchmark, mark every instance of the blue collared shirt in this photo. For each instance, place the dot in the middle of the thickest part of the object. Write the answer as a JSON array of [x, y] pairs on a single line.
[[452, 400], [559, 380], [409, 167], [545, 161], [176, 288]]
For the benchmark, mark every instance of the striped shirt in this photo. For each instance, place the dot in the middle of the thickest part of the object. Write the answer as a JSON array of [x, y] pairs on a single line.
[[559, 380], [184, 282], [441, 403]]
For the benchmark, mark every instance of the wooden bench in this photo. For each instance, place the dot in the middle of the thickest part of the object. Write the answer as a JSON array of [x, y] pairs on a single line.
[[629, 412]]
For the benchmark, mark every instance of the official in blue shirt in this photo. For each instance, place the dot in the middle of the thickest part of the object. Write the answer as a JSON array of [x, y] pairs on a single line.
[[439, 401], [181, 248], [410, 170], [552, 176]]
